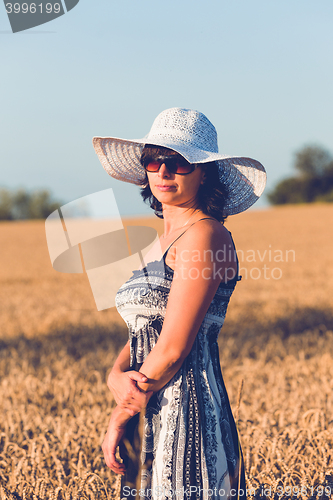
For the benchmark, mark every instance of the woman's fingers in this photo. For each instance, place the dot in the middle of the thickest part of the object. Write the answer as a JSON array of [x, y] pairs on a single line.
[[132, 375], [126, 393], [135, 405], [124, 382], [114, 465], [112, 462], [137, 376]]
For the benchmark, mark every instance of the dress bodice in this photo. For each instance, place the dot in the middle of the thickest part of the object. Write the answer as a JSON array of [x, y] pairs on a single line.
[[143, 299]]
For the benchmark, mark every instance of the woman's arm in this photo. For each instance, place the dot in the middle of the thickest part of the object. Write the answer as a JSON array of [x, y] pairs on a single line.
[[122, 382], [202, 260], [194, 285], [115, 432]]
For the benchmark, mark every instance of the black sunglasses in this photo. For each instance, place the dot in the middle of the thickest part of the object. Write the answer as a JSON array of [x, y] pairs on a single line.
[[174, 164]]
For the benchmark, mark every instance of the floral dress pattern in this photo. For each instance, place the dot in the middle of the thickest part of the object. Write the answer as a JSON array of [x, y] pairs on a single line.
[[188, 447]]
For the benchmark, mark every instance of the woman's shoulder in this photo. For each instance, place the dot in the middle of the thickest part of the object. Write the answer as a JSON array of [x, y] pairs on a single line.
[[204, 234], [206, 230], [206, 240]]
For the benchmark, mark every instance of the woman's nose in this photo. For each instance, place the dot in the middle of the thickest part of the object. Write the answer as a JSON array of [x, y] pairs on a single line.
[[163, 171]]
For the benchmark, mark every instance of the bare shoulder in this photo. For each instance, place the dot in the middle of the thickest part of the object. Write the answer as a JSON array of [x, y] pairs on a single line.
[[205, 240], [205, 234]]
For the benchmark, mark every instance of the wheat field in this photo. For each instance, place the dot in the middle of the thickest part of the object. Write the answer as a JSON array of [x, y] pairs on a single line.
[[276, 352]]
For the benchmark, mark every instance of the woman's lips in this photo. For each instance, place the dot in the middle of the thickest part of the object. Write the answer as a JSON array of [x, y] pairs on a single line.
[[165, 188]]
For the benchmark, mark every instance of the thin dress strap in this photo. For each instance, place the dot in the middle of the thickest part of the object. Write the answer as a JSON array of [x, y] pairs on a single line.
[[237, 277], [181, 234]]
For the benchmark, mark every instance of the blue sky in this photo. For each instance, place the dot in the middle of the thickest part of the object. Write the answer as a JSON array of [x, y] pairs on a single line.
[[260, 70]]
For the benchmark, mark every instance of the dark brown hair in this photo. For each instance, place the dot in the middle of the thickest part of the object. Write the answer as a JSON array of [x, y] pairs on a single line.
[[212, 195]]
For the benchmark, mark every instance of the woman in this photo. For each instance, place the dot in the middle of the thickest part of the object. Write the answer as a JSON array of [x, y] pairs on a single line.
[[170, 367]]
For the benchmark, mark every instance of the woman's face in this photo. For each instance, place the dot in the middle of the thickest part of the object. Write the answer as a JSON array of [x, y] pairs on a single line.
[[175, 189]]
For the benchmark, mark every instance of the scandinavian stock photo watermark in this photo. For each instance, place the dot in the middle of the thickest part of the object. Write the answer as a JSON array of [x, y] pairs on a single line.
[[252, 263], [88, 236], [264, 264], [280, 491]]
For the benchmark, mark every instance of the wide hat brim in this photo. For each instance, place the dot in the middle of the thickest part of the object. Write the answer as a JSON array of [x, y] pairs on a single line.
[[245, 178]]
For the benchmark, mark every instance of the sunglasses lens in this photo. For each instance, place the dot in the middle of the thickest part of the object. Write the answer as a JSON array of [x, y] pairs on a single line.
[[183, 168], [174, 165], [153, 166]]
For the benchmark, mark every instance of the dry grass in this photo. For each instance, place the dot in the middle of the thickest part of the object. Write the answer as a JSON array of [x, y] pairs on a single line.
[[56, 350]]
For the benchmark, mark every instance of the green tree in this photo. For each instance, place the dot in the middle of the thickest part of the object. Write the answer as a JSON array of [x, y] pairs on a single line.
[[21, 204], [5, 205], [313, 181], [313, 161]]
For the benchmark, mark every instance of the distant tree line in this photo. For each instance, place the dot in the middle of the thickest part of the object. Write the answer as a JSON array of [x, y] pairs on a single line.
[[313, 181], [20, 204]]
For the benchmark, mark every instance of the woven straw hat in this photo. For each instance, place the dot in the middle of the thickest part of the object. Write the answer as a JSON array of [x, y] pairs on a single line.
[[192, 135]]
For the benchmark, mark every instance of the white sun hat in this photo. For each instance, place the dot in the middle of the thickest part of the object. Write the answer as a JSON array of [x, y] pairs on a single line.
[[193, 136]]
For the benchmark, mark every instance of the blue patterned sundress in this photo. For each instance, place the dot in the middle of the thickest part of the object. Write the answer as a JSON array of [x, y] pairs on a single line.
[[188, 447]]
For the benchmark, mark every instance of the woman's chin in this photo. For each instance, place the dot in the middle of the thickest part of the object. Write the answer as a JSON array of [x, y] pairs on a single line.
[[166, 197]]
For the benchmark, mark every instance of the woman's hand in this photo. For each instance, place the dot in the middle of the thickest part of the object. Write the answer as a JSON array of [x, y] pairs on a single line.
[[115, 432], [128, 396]]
